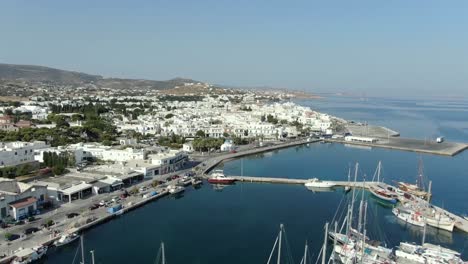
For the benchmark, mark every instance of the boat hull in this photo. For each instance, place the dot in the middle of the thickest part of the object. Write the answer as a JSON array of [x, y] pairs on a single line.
[[221, 181], [442, 224], [71, 240], [320, 184], [410, 218], [384, 198]]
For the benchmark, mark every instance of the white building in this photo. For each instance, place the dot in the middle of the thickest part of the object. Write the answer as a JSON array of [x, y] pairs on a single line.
[[188, 147], [107, 153], [19, 200], [169, 161], [228, 145], [17, 153]]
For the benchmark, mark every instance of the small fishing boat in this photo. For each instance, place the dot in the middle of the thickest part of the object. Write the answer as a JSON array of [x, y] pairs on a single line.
[[438, 220], [29, 255], [409, 216], [316, 183], [383, 194], [66, 239], [218, 177], [196, 182], [185, 181]]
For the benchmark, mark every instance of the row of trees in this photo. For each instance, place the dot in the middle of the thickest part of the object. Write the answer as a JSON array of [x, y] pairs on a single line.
[[57, 162], [206, 144], [173, 141]]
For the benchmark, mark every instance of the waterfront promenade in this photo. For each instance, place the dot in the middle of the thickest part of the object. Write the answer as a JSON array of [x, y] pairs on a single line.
[[206, 166]]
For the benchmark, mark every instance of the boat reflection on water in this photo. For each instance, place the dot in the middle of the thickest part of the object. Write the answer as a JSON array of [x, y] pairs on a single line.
[[220, 187]]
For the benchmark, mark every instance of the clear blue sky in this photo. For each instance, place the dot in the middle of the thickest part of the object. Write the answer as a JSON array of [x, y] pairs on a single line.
[[387, 47]]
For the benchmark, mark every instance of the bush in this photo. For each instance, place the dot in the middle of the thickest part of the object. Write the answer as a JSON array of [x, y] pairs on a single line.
[[8, 236], [58, 169], [49, 223]]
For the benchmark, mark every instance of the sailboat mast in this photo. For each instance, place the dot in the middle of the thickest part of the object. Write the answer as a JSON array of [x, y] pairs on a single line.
[[429, 189], [350, 216], [379, 167], [334, 243], [424, 235], [364, 232], [305, 253], [92, 256], [278, 261], [82, 249], [324, 247], [163, 254]]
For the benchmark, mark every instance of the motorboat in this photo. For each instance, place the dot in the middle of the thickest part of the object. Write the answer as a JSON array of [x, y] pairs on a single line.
[[196, 181], [218, 177], [185, 181], [316, 183], [174, 189], [66, 239], [29, 255]]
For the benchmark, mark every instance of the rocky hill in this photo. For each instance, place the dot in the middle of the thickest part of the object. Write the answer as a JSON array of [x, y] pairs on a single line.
[[32, 73], [41, 74]]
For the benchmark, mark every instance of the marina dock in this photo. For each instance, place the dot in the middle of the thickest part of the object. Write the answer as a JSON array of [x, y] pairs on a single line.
[[301, 181], [445, 148], [461, 223]]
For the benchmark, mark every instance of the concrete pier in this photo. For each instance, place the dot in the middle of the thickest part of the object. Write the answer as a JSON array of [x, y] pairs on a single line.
[[445, 148], [301, 181]]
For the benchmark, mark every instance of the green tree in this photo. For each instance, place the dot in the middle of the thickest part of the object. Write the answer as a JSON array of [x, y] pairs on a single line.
[[200, 133], [58, 169]]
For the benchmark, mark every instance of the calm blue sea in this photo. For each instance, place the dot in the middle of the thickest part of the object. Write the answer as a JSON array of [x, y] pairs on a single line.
[[239, 223]]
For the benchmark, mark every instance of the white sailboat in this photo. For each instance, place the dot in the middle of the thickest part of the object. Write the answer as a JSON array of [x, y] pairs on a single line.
[[409, 216]]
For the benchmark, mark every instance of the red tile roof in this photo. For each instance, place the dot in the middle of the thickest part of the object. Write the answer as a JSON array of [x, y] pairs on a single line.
[[23, 202]]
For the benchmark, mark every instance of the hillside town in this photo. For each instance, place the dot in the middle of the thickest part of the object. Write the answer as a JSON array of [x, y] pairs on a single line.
[[60, 148]]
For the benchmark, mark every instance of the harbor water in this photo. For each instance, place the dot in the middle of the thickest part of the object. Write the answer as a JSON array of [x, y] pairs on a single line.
[[239, 223]]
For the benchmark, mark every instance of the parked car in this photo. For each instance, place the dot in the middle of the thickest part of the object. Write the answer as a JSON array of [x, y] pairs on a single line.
[[31, 230], [71, 215], [19, 222], [115, 199], [102, 203], [94, 206], [11, 237]]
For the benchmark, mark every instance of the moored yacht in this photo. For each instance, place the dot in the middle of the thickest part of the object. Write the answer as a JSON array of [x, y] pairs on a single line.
[[314, 182], [66, 239], [218, 177], [174, 189]]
